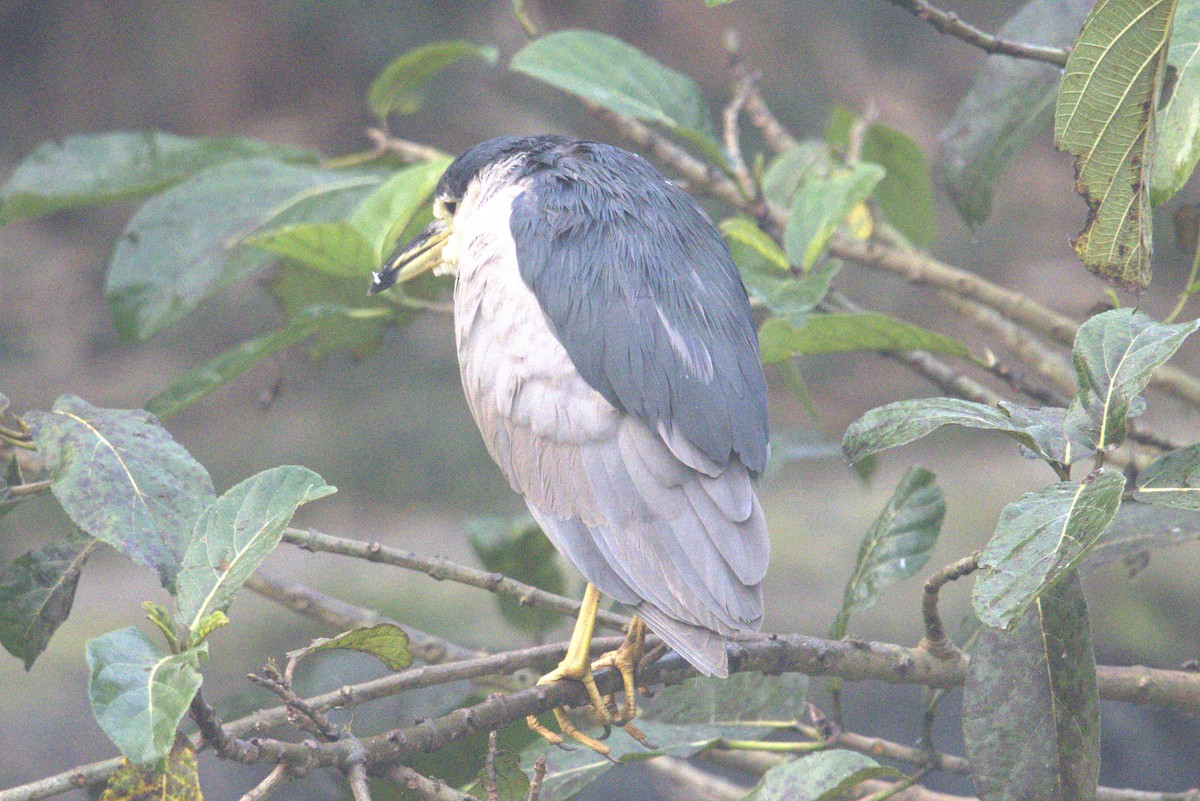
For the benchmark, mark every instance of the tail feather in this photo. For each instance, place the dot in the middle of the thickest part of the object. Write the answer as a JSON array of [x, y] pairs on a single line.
[[702, 647]]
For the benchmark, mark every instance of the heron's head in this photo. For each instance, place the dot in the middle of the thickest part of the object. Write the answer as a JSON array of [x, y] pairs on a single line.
[[474, 176]]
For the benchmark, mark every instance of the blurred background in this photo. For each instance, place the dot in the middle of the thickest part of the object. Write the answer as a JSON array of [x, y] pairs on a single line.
[[391, 430]]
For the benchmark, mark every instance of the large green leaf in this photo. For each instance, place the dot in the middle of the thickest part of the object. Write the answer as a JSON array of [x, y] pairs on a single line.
[[1115, 354], [902, 422], [198, 382], [606, 71], [821, 776], [742, 698], [99, 168], [1039, 539], [1173, 479], [36, 593], [806, 161], [122, 478], [1105, 118], [896, 546], [1031, 713], [780, 339], [235, 534], [139, 694], [1011, 100], [400, 87], [185, 244], [336, 248], [518, 549], [1178, 146], [819, 207], [905, 194], [358, 326], [1140, 528], [384, 214]]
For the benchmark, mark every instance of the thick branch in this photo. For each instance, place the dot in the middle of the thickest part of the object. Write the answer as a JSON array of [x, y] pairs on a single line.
[[949, 23]]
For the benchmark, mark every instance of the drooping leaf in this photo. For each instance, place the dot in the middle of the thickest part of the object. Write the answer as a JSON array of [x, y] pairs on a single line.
[[905, 194], [1173, 479], [122, 479], [101, 168], [306, 294], [779, 339], [1041, 538], [36, 593], [139, 693], [1031, 712], [617, 76], [178, 779], [1140, 528], [1011, 100], [1178, 124], [820, 776], [384, 214], [185, 244], [896, 546], [1044, 424], [745, 232], [236, 533], [785, 294], [1105, 117], [386, 641], [808, 160], [1115, 354], [902, 422], [196, 383], [400, 87], [511, 782], [746, 697], [821, 205], [518, 549]]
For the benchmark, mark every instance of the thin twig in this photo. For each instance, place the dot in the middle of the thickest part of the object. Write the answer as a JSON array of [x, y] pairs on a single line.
[[423, 787], [443, 569], [949, 23], [935, 639], [31, 488], [404, 148], [759, 113], [356, 775], [264, 788], [539, 775], [310, 719], [489, 768], [733, 139]]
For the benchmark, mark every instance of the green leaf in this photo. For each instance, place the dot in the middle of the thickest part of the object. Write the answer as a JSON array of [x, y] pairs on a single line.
[[747, 697], [820, 776], [1178, 146], [786, 295], [896, 546], [384, 214], [1115, 354], [122, 479], [819, 207], [905, 194], [335, 248], [745, 232], [308, 295], [1031, 712], [1172, 479], [903, 422], [177, 780], [518, 549], [1140, 528], [386, 641], [1039, 539], [1105, 118], [779, 339], [139, 694], [1011, 100], [511, 782], [185, 244], [400, 87], [195, 384], [36, 593], [619, 77], [235, 534], [807, 161], [101, 168]]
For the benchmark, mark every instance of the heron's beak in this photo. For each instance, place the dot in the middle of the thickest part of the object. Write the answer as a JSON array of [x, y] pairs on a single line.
[[420, 255]]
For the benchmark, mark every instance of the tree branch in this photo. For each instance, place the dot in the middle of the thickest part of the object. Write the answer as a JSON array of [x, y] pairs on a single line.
[[948, 22]]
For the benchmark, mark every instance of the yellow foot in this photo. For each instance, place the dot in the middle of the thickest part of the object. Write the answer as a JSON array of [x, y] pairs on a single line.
[[626, 659]]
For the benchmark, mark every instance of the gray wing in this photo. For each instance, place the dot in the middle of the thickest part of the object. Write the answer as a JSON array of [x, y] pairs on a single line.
[[640, 289]]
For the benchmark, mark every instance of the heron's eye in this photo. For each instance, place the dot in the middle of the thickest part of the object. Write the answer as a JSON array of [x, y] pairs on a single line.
[[450, 206]]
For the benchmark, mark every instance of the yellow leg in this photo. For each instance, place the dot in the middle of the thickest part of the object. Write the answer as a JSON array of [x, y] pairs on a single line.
[[576, 666]]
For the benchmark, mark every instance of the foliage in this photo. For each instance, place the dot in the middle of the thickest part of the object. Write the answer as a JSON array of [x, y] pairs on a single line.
[[216, 212]]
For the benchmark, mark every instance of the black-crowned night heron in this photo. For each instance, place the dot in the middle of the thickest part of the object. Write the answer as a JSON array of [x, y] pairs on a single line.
[[609, 357]]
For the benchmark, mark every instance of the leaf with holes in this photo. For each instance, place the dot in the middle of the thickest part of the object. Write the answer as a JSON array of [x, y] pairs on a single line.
[[36, 593], [139, 694], [177, 780], [385, 641], [511, 783], [1039, 539], [1105, 117], [896, 546], [1031, 712], [122, 479], [1178, 147], [235, 534]]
